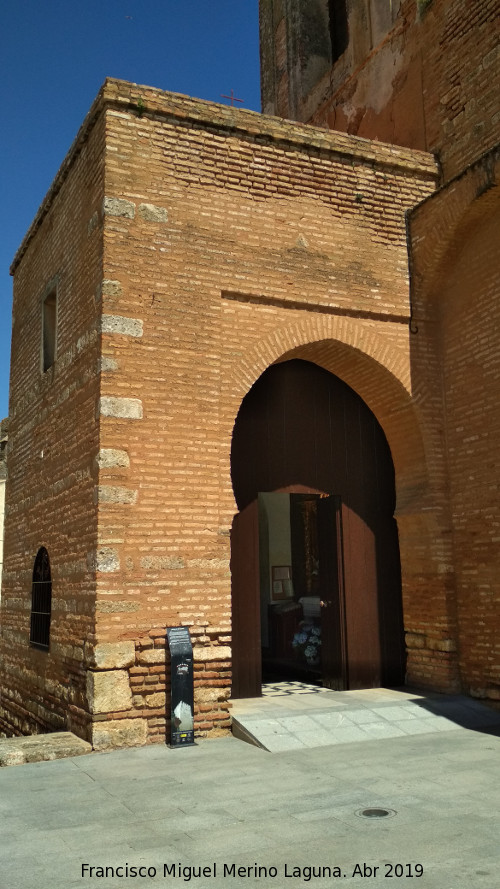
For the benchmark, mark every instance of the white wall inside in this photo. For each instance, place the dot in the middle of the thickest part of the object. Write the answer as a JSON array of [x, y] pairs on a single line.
[[275, 547]]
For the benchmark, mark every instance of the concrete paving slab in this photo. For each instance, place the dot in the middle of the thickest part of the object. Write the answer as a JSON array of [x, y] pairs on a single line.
[[413, 726], [380, 730], [334, 718], [360, 717], [298, 723], [280, 743], [314, 738], [393, 714]]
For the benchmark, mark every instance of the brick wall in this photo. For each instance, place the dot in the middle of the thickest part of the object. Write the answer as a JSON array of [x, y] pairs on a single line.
[[457, 280], [53, 441]]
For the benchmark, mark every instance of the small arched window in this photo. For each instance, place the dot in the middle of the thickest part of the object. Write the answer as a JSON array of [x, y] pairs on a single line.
[[41, 601]]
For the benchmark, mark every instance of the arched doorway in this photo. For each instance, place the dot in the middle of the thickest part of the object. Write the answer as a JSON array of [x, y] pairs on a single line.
[[316, 583]]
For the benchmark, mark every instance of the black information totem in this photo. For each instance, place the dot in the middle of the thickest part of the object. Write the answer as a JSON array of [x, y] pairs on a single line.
[[182, 694]]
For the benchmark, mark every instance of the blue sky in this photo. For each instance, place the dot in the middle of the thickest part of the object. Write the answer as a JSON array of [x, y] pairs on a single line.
[[54, 56]]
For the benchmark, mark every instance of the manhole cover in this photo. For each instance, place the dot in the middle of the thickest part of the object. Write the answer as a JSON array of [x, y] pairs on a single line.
[[376, 813]]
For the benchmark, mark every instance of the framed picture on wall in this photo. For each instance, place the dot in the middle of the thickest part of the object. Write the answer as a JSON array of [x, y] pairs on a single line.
[[281, 583]]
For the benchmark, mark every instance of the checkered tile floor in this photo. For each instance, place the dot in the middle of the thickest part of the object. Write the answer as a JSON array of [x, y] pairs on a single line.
[[278, 689]]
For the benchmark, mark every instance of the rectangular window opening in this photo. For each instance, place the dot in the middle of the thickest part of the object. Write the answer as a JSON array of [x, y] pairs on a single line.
[[49, 327], [339, 27]]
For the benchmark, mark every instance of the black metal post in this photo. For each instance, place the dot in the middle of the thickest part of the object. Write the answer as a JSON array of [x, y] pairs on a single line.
[[182, 691]]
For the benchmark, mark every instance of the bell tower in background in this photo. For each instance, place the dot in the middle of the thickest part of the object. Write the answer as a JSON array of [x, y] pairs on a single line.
[[309, 49], [415, 73]]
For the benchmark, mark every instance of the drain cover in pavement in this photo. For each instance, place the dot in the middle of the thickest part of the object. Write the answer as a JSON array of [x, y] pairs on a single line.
[[375, 813]]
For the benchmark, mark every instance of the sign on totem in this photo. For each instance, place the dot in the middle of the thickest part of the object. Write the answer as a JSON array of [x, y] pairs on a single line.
[[182, 694]]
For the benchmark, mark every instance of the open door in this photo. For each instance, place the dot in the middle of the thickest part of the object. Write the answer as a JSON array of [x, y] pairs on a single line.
[[245, 604], [361, 601], [332, 593], [316, 521]]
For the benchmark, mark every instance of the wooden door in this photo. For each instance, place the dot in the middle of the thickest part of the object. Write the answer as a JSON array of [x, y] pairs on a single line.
[[361, 602], [245, 604], [332, 593]]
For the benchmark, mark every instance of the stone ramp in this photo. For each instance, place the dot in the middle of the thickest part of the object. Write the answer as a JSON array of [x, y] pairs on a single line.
[[290, 716], [37, 748]]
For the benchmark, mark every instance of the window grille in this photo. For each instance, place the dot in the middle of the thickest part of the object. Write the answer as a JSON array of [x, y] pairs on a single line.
[[41, 601]]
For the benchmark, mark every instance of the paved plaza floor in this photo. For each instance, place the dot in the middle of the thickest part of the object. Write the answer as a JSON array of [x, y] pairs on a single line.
[[225, 814]]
